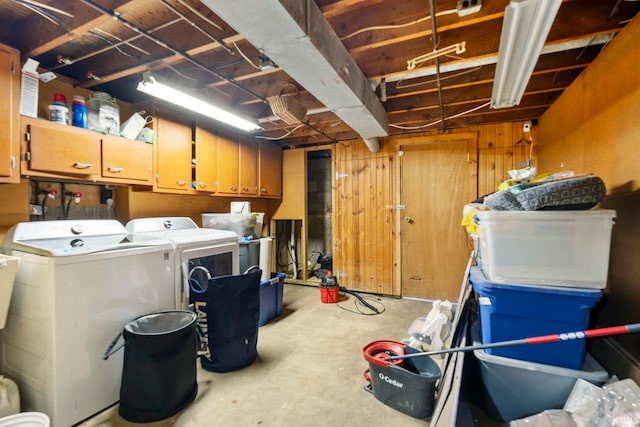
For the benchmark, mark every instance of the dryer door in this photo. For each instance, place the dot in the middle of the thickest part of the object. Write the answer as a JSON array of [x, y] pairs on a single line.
[[198, 265]]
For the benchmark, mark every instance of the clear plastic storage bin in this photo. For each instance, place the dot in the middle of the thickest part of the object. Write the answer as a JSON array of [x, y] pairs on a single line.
[[555, 248], [247, 226]]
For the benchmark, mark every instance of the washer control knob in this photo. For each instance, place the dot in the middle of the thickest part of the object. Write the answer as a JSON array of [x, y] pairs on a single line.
[[77, 243]]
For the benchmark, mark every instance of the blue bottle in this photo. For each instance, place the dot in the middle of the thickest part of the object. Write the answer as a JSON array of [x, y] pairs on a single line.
[[79, 111]]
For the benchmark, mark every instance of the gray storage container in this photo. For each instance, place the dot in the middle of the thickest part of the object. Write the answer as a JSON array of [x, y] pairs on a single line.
[[518, 388]]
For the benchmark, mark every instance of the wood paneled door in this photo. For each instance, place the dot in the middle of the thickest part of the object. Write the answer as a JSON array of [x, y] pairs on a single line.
[[437, 178], [363, 225]]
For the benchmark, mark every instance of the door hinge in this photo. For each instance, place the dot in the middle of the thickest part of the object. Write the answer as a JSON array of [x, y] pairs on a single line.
[[27, 156], [341, 175], [13, 162], [401, 207]]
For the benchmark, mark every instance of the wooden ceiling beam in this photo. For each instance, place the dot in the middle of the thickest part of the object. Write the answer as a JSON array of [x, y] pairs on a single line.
[[49, 36]]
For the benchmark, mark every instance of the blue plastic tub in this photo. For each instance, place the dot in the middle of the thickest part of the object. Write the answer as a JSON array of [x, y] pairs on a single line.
[[509, 312], [271, 293]]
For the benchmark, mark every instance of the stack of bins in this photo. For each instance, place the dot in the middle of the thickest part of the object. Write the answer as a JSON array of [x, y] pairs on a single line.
[[542, 273]]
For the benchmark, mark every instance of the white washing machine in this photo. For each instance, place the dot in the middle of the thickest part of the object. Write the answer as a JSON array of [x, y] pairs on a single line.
[[78, 284], [200, 252]]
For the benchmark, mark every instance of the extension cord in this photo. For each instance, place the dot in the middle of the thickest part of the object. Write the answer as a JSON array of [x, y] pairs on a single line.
[[362, 300]]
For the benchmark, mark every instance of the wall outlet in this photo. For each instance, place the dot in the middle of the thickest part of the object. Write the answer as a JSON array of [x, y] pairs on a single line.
[[468, 7]]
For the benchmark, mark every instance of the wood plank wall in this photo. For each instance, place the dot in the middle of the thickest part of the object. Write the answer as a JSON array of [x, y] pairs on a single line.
[[365, 247], [363, 193], [501, 147], [593, 127]]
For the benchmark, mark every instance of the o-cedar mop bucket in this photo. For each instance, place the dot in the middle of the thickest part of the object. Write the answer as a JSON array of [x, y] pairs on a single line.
[[408, 387]]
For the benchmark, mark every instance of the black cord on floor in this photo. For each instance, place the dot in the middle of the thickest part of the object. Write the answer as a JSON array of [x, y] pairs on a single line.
[[361, 301]]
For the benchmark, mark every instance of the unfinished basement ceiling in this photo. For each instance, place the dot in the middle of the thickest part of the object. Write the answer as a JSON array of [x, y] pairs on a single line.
[[107, 45]]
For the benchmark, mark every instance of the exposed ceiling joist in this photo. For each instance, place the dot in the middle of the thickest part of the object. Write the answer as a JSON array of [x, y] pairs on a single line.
[[492, 59]]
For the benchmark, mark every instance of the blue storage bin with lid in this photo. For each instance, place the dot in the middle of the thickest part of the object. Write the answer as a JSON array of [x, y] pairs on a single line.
[[271, 296], [509, 312]]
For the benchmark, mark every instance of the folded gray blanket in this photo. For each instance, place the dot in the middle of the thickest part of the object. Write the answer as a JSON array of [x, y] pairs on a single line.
[[569, 194]]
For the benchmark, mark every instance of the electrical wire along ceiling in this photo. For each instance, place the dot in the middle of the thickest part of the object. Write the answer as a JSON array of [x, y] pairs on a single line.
[[305, 73]]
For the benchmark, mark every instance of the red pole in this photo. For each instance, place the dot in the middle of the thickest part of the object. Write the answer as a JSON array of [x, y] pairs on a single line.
[[542, 339]]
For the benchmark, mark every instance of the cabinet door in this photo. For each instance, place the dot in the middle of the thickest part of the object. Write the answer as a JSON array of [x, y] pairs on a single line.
[[206, 165], [59, 149], [248, 167], [228, 165], [270, 169], [9, 117], [173, 153], [126, 159]]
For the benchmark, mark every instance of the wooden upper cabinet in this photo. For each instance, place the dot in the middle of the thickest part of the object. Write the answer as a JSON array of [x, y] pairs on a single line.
[[9, 115], [206, 160], [248, 166], [270, 169], [228, 165], [126, 159], [53, 149], [172, 151]]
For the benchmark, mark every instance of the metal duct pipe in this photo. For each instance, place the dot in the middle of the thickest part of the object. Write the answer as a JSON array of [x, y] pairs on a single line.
[[297, 37], [373, 144]]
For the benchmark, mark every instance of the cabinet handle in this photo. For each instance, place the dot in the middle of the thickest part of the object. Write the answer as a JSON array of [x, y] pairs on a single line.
[[245, 189], [263, 190], [232, 188], [202, 184], [181, 183], [114, 170], [79, 165]]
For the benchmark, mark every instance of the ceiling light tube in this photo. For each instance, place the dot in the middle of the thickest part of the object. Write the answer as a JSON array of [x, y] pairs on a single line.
[[524, 31], [151, 86]]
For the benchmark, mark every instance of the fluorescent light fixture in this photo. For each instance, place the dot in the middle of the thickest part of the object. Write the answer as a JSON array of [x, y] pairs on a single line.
[[524, 31], [151, 86]]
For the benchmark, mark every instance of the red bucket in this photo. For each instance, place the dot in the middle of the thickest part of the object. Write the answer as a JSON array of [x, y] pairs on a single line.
[[377, 351], [329, 294]]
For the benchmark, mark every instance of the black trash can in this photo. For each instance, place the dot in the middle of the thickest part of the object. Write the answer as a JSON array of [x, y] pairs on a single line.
[[228, 311], [159, 370]]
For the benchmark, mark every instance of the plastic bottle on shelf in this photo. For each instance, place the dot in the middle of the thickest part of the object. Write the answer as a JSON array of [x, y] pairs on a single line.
[[58, 111], [79, 110]]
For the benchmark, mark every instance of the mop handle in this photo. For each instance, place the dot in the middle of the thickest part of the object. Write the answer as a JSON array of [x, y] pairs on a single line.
[[543, 339]]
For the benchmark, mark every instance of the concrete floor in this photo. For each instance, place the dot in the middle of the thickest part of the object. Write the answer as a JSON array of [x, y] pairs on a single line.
[[309, 370]]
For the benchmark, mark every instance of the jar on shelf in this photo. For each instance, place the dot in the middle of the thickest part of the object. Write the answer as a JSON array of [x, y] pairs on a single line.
[[103, 113], [58, 111]]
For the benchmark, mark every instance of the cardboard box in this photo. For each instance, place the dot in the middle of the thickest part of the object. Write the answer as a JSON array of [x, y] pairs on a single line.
[[29, 89]]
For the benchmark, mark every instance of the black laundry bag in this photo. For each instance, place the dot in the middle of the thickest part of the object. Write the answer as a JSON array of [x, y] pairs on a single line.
[[159, 369], [228, 311]]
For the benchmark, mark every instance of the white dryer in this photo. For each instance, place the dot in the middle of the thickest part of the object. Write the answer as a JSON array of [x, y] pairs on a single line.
[[200, 252], [79, 283]]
